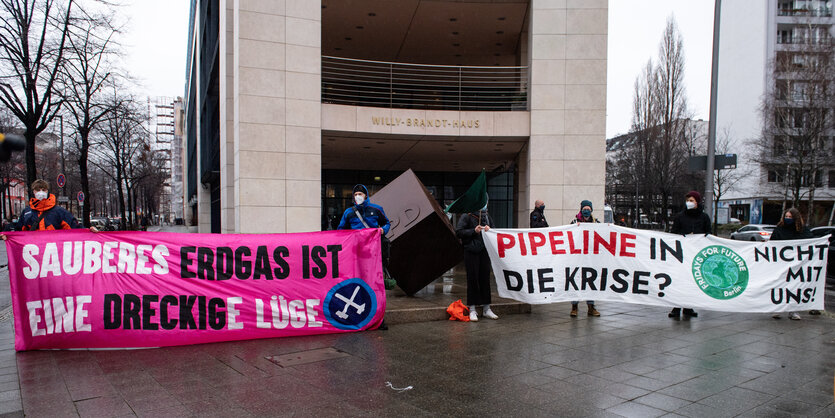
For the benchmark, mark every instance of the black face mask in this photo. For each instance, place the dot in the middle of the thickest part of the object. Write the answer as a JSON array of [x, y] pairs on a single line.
[[788, 221]]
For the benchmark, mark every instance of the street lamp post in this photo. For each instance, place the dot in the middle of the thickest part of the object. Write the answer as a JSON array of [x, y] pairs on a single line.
[[711, 136]]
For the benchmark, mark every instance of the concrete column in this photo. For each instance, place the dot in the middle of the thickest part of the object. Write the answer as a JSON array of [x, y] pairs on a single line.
[[227, 123], [566, 158], [277, 115], [204, 196]]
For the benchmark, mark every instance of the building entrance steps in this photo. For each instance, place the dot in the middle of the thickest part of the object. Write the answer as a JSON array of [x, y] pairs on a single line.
[[430, 303]]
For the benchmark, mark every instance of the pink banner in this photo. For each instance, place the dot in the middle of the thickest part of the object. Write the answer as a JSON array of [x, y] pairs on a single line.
[[77, 289]]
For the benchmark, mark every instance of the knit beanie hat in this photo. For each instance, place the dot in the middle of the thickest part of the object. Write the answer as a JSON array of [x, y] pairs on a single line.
[[360, 188], [695, 195], [586, 203]]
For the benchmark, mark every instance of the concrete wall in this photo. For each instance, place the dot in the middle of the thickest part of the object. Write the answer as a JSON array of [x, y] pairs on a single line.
[[392, 121], [227, 119], [276, 74], [566, 159]]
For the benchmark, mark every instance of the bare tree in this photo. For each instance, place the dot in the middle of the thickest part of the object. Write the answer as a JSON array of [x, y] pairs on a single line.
[[87, 70], [655, 155], [33, 35], [123, 135], [798, 118], [12, 172], [725, 180], [671, 153], [153, 175]]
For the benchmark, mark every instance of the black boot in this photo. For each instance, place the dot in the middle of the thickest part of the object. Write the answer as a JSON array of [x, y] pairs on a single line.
[[674, 313], [691, 313]]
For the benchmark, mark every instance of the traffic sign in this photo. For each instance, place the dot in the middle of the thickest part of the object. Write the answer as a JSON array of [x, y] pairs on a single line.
[[80, 197], [61, 180], [63, 199], [720, 162]]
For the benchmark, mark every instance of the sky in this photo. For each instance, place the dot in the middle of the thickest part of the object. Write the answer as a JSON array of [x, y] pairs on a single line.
[[155, 45], [635, 30], [156, 39]]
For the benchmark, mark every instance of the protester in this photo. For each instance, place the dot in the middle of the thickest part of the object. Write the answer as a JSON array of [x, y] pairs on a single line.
[[692, 220], [364, 214], [476, 261], [582, 217], [8, 223], [791, 226], [43, 215], [538, 215]]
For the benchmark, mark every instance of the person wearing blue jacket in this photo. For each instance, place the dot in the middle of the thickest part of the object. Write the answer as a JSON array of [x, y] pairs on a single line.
[[373, 215], [43, 214], [364, 214]]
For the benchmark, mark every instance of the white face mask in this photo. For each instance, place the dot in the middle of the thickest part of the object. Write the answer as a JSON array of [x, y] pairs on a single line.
[[41, 195], [690, 205], [359, 199]]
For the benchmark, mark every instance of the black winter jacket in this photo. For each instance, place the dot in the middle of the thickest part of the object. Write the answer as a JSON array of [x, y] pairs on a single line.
[[538, 219], [691, 221], [472, 241], [784, 232]]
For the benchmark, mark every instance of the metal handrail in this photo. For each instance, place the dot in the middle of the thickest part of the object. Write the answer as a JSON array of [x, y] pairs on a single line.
[[357, 82]]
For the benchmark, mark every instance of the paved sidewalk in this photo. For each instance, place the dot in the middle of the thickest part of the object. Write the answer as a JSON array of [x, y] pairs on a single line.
[[632, 361]]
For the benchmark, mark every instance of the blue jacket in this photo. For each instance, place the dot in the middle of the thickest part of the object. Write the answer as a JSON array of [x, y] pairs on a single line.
[[373, 214], [55, 217]]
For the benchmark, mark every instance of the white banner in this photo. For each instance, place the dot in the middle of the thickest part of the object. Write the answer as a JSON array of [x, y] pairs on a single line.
[[606, 262]]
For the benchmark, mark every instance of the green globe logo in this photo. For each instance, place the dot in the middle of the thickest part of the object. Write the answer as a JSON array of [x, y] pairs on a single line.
[[720, 272]]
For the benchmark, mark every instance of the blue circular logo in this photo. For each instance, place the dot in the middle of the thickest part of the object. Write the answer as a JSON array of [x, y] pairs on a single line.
[[350, 305]]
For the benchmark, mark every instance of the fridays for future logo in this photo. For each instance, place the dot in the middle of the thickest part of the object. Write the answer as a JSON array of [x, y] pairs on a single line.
[[720, 272]]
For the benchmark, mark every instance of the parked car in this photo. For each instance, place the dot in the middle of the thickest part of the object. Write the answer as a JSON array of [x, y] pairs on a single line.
[[822, 231], [753, 232], [102, 223], [99, 224]]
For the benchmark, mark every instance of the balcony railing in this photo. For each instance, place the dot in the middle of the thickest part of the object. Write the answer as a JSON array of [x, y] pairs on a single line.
[[416, 86], [822, 11]]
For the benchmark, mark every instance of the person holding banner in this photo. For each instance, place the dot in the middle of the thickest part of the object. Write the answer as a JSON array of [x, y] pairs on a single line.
[[791, 226], [43, 214], [364, 214], [584, 216], [692, 220], [476, 261]]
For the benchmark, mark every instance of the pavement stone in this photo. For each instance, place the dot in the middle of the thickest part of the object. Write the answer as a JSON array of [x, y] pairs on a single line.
[[631, 361]]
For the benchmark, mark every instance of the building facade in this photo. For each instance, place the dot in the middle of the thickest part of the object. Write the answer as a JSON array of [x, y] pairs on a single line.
[[288, 104], [767, 49]]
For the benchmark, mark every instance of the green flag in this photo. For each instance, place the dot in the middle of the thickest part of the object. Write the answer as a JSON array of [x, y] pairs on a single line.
[[474, 199]]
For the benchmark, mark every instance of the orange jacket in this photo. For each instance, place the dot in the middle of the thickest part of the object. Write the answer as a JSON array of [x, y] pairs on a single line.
[[457, 310], [54, 217]]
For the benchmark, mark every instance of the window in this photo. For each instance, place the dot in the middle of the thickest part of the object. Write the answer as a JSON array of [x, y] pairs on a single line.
[[741, 212], [798, 93], [806, 180], [798, 116], [782, 89], [778, 149], [831, 179], [780, 118], [774, 176]]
